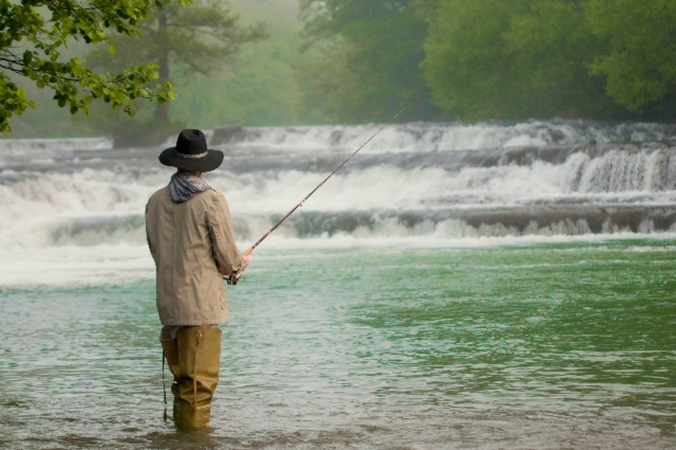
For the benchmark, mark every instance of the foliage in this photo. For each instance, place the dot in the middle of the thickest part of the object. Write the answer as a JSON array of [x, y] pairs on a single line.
[[513, 59], [43, 29], [257, 87], [482, 59], [370, 54], [516, 59], [550, 45], [197, 40], [466, 57], [640, 64]]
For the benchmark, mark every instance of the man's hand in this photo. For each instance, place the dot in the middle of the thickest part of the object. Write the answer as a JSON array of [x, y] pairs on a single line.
[[246, 264]]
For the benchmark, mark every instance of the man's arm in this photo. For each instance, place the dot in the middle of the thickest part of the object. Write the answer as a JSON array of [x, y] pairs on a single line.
[[148, 238], [246, 264], [228, 257]]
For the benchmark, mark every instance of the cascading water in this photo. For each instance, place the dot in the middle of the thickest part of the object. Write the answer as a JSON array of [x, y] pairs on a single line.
[[433, 181]]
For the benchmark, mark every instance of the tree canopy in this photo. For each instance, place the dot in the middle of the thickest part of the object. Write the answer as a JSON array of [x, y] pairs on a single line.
[[200, 39], [34, 37], [257, 86], [517, 59], [494, 59], [371, 51], [445, 59], [512, 59], [639, 61]]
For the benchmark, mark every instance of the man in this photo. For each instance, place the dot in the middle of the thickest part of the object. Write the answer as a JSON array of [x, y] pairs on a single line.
[[192, 242]]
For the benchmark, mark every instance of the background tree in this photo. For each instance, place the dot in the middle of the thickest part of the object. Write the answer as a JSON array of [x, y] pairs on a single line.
[[33, 36], [639, 61], [550, 46], [514, 59], [466, 60], [368, 68], [258, 86], [199, 39], [519, 59], [481, 59]]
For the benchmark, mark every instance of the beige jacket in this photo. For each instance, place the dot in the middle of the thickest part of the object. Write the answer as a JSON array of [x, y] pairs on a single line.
[[189, 241]]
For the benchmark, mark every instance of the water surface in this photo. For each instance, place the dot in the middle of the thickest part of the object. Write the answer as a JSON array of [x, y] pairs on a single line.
[[557, 345]]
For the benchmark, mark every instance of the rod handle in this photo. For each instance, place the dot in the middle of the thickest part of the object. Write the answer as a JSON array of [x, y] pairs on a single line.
[[233, 279]]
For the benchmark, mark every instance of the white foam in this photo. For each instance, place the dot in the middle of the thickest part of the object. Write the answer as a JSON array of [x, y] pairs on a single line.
[[86, 192], [56, 144], [74, 266], [66, 220], [524, 141], [35, 209], [419, 136]]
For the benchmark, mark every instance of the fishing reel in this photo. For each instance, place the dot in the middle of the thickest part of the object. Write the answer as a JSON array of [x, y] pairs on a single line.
[[232, 279]]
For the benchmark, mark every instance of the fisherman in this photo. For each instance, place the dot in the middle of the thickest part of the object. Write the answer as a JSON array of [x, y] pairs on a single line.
[[191, 239]]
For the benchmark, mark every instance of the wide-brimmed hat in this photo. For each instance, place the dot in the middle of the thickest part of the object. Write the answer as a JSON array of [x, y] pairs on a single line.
[[191, 153]]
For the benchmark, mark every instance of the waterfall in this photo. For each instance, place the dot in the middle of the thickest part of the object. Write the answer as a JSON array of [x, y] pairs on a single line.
[[437, 181]]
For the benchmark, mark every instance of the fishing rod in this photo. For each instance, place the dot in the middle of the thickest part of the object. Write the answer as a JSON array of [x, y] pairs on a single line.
[[233, 279]]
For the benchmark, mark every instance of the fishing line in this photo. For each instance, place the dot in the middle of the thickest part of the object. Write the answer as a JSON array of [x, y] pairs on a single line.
[[232, 279]]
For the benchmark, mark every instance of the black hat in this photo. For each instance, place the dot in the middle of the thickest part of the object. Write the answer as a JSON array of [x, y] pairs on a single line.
[[191, 153]]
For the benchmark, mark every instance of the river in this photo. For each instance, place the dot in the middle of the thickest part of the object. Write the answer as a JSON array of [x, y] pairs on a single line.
[[483, 285]]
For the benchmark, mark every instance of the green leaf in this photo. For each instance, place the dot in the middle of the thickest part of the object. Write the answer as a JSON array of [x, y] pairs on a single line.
[[44, 31]]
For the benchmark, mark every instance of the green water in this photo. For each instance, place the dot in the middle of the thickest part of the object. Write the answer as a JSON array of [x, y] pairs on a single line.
[[543, 346]]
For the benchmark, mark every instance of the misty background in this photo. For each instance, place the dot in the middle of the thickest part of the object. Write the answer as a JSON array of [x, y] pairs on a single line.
[[307, 62]]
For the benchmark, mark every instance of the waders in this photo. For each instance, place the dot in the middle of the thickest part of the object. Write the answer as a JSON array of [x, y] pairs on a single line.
[[194, 360]]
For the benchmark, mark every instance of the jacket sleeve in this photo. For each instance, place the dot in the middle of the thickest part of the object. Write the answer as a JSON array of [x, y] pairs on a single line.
[[148, 237], [226, 254]]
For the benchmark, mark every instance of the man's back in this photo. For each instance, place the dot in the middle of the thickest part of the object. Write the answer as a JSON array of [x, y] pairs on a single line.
[[189, 241]]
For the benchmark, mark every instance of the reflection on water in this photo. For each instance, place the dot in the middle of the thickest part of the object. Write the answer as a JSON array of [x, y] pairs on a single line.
[[557, 346]]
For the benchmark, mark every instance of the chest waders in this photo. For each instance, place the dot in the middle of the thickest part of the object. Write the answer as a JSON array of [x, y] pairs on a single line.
[[194, 360]]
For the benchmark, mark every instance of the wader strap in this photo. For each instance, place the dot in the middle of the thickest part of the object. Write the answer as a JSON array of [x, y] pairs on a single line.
[[198, 336], [164, 386]]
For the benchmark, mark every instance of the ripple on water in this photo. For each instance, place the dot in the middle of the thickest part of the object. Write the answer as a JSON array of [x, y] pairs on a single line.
[[481, 348]]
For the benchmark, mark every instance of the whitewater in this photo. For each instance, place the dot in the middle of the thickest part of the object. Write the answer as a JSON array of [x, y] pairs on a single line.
[[416, 184]]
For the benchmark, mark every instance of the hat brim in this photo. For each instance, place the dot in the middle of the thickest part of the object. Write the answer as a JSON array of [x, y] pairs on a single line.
[[212, 160]]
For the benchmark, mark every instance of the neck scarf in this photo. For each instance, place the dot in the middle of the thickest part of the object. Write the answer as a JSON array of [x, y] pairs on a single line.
[[186, 185]]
